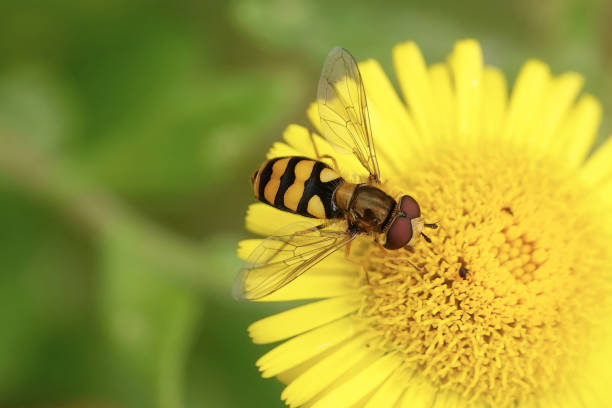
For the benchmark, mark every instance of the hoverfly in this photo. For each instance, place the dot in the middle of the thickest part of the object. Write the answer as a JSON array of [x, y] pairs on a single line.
[[311, 188]]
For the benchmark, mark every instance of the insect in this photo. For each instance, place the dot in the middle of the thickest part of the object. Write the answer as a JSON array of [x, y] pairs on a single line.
[[313, 189]]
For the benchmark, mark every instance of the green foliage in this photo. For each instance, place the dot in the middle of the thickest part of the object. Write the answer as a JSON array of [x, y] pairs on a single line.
[[128, 130]]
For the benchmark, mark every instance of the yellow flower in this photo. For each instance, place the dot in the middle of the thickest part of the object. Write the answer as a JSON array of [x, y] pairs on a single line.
[[522, 208]]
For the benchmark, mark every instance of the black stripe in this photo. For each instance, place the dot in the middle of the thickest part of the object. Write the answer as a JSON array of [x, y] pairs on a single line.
[[331, 210], [314, 186], [310, 188], [265, 177], [286, 180]]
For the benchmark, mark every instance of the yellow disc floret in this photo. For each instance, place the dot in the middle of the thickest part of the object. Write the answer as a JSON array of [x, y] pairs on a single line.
[[522, 234]]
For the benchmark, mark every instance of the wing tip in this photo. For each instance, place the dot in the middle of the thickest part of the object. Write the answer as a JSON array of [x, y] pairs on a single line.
[[238, 288]]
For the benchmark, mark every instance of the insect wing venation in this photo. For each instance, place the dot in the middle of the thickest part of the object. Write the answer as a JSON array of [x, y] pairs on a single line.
[[343, 110], [345, 123], [281, 258]]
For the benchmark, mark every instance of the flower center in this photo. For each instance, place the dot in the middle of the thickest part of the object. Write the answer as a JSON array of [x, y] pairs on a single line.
[[522, 232]]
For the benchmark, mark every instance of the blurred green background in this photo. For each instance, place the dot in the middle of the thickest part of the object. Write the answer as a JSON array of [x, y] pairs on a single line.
[[128, 131]]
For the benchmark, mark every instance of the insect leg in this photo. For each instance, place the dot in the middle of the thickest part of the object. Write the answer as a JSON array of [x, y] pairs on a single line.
[[410, 249], [348, 249], [407, 260], [319, 156], [379, 245], [361, 265]]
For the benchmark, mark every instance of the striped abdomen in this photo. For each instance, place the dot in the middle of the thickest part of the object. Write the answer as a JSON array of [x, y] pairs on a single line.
[[299, 185]]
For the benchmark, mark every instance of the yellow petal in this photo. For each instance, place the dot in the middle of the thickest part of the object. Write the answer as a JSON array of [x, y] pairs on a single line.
[[334, 264], [281, 150], [419, 394], [570, 398], [361, 384], [393, 130], [263, 219], [246, 247], [305, 346], [413, 79], [445, 107], [495, 99], [391, 390], [379, 88], [450, 399], [593, 391], [466, 64], [324, 372], [333, 276], [312, 286], [580, 129], [303, 318], [530, 87], [548, 400], [599, 166], [313, 115], [299, 138], [391, 158], [555, 104]]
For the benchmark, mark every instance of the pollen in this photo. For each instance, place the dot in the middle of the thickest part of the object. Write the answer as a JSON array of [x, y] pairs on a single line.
[[509, 305], [500, 306]]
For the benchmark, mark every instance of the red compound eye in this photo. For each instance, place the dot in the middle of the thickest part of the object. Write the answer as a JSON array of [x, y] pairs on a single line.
[[401, 232]]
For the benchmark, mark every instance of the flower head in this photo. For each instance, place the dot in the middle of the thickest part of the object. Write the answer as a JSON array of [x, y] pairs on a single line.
[[510, 303]]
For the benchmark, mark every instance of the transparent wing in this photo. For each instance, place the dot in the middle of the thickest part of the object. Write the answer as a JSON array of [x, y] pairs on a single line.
[[343, 109], [281, 258]]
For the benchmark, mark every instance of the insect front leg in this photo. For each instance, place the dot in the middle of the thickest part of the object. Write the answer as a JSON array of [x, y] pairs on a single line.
[[347, 253], [379, 245]]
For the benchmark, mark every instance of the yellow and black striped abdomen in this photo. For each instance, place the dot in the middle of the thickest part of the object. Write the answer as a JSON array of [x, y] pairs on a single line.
[[299, 185]]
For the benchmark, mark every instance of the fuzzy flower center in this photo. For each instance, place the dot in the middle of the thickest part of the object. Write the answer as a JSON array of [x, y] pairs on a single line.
[[522, 230]]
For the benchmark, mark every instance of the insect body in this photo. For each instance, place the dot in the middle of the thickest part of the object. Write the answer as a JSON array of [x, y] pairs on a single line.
[[313, 189], [299, 185]]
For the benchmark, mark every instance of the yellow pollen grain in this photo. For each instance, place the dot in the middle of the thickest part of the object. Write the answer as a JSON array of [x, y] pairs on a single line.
[[515, 326]]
